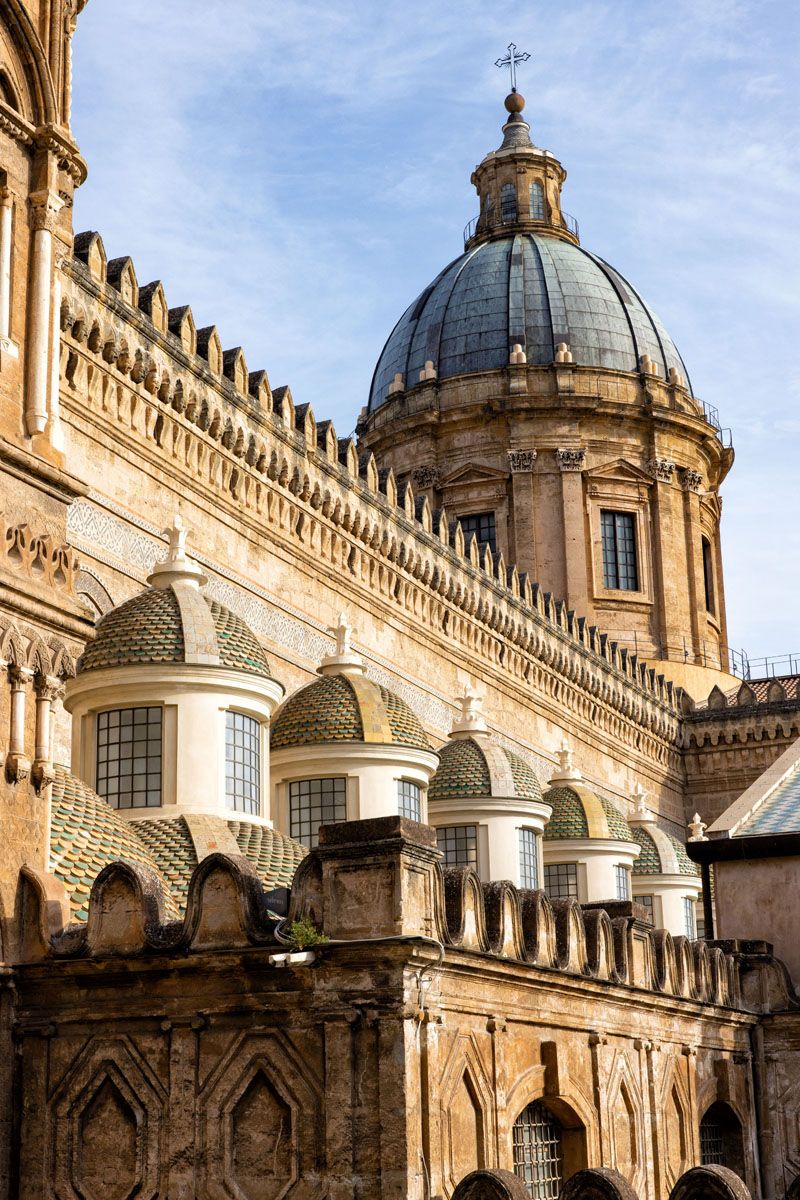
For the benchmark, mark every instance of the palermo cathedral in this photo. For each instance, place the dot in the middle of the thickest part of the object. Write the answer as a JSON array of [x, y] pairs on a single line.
[[383, 817]]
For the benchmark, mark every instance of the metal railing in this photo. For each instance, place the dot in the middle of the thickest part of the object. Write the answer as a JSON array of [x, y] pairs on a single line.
[[711, 417], [570, 223], [769, 668], [685, 651]]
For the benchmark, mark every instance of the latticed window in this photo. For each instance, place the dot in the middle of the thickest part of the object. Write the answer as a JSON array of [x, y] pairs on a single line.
[[708, 575], [508, 202], [538, 1157], [483, 526], [409, 799], [458, 844], [620, 568], [699, 920], [537, 201], [129, 757], [688, 918], [315, 802], [622, 878], [242, 763], [646, 902], [712, 1143], [528, 859], [561, 880]]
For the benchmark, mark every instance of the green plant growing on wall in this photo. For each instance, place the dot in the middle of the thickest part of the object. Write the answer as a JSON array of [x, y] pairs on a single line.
[[303, 935]]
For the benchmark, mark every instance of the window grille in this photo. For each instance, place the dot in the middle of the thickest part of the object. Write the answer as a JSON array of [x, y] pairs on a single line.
[[538, 1157], [508, 202], [688, 918], [537, 201], [458, 844], [129, 757], [409, 799], [712, 1143], [242, 763], [315, 802], [708, 575], [620, 570], [622, 877], [483, 526], [561, 880], [528, 858]]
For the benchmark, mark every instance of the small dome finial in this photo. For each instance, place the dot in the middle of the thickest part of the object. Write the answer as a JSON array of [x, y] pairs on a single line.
[[641, 815], [344, 660], [567, 771], [698, 828], [177, 567], [471, 720]]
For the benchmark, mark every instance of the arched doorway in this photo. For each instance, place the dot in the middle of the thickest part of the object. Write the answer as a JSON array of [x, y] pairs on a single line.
[[548, 1146], [721, 1141]]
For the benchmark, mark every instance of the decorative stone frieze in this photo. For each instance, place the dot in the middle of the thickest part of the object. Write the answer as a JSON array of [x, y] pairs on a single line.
[[521, 460], [571, 460], [662, 469]]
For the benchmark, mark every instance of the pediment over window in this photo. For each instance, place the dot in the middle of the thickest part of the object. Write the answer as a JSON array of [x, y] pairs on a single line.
[[618, 471], [472, 473]]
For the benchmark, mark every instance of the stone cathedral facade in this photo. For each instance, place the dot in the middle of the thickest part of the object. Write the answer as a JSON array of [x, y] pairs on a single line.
[[355, 791]]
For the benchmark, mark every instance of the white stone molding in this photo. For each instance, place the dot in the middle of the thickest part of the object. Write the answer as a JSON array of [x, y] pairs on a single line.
[[571, 460]]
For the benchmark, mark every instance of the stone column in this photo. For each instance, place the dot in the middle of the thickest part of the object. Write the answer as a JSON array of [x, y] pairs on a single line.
[[571, 463], [17, 765], [47, 690], [6, 236], [45, 206], [54, 429], [522, 549]]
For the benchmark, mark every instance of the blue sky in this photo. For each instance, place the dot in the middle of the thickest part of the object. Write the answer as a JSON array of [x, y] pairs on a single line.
[[298, 172]]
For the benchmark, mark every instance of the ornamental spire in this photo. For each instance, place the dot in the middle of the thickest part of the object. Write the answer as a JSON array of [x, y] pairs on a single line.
[[510, 60]]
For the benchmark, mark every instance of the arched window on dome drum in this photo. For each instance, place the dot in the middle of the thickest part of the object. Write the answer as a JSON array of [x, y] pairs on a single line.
[[128, 765], [537, 201], [538, 1151], [315, 802], [409, 799], [708, 575], [528, 858], [508, 202], [242, 763]]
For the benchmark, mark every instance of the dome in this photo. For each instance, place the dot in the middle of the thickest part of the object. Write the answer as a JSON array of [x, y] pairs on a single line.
[[661, 853], [480, 767], [346, 708], [534, 289], [174, 625], [274, 855], [579, 813], [86, 834]]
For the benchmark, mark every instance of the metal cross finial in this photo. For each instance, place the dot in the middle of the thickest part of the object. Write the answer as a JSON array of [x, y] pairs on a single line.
[[510, 60]]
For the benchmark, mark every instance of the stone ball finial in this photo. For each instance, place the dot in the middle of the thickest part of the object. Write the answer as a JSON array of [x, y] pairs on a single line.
[[514, 102]]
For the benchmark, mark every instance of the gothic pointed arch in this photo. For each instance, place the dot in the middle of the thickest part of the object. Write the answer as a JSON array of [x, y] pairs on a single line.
[[44, 107]]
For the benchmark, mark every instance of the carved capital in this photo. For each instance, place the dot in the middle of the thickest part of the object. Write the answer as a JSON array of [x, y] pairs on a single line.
[[48, 688], [691, 481], [521, 460], [45, 207], [662, 469], [426, 477], [571, 460], [20, 677]]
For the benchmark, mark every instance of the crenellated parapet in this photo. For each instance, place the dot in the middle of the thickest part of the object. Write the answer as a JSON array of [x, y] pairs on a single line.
[[197, 411]]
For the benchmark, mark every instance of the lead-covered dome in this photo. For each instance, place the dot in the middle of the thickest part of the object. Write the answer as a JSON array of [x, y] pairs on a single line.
[[532, 289]]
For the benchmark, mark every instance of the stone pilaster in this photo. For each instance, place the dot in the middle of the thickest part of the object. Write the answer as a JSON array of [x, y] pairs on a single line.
[[571, 463]]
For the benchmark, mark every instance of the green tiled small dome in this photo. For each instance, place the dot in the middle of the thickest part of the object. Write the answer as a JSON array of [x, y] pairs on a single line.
[[579, 813], [345, 708], [86, 834], [149, 628], [466, 770], [661, 853], [274, 855]]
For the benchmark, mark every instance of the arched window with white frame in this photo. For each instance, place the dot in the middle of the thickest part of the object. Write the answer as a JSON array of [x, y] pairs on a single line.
[[536, 201]]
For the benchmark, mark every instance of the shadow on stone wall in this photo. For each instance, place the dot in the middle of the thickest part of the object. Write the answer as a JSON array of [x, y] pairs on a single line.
[[602, 1183]]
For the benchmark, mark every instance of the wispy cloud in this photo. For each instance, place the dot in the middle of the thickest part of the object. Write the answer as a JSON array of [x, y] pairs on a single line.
[[299, 171]]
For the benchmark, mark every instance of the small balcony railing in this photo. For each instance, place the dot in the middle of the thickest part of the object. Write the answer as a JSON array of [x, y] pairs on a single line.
[[569, 223]]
